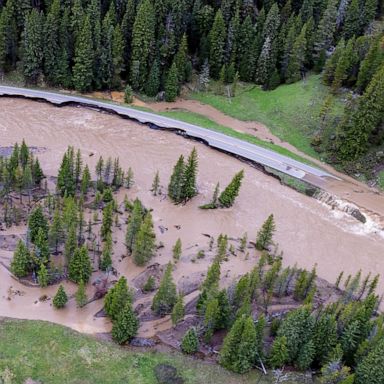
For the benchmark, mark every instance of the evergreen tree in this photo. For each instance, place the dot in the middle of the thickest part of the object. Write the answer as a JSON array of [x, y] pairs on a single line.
[[86, 179], [176, 182], [264, 236], [371, 368], [81, 295], [166, 296], [106, 255], [181, 59], [156, 184], [42, 276], [358, 126], [211, 316], [298, 57], [172, 84], [84, 55], [42, 247], [143, 39], [51, 43], [117, 298], [239, 351], [153, 84], [325, 32], [190, 342], [217, 38], [134, 223], [106, 226], [352, 20], [66, 181], [70, 243], [79, 267], [21, 261], [33, 46], [178, 310], [56, 231], [228, 196], [278, 355], [37, 221], [60, 298], [145, 244], [126, 325], [189, 188], [177, 250]]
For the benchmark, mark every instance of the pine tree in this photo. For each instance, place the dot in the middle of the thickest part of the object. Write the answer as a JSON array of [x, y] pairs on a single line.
[[106, 226], [190, 342], [153, 84], [189, 188], [118, 46], [128, 94], [264, 236], [70, 243], [210, 286], [56, 231], [81, 295], [37, 221], [344, 65], [181, 58], [51, 43], [33, 46], [134, 223], [145, 244], [84, 55], [278, 355], [106, 255], [143, 38], [325, 32], [156, 184], [166, 296], [352, 20], [239, 350], [297, 327], [80, 267], [371, 368], [178, 310], [211, 316], [117, 298], [60, 298], [177, 250], [42, 247], [357, 128], [298, 57], [126, 325], [66, 181], [42, 276], [248, 58], [21, 261], [228, 196], [217, 38], [172, 84], [176, 182]]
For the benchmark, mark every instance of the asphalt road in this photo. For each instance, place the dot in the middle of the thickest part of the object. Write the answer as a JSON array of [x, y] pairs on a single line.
[[214, 139]]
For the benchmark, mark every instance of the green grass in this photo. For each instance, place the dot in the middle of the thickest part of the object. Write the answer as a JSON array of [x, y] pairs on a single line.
[[55, 354], [202, 121], [291, 112]]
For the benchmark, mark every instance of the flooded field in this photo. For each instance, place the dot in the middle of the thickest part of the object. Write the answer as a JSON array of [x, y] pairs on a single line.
[[308, 231]]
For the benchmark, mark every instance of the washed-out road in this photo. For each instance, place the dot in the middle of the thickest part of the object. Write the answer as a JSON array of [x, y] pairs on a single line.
[[252, 152]]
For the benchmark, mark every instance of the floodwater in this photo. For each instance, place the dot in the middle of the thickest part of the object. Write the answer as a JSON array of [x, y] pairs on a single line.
[[307, 231]]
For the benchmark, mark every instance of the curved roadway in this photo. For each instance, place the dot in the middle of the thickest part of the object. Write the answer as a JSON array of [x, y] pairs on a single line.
[[214, 139]]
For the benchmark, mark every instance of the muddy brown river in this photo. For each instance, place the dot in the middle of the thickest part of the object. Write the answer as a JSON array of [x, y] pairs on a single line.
[[308, 231]]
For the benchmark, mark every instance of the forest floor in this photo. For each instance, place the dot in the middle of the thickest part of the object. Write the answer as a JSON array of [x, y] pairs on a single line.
[[49, 353]]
